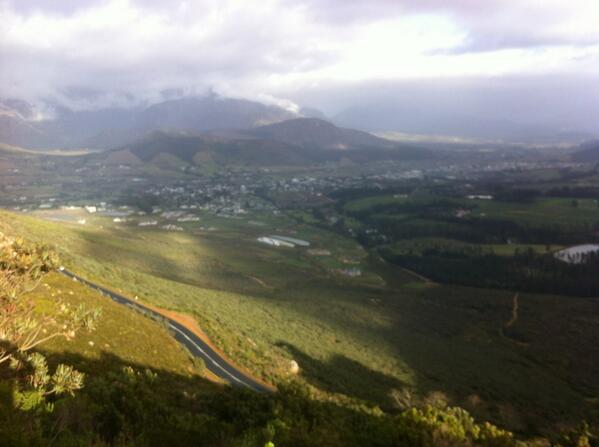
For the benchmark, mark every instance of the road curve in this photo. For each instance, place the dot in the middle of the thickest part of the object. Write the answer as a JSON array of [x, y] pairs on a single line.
[[215, 363]]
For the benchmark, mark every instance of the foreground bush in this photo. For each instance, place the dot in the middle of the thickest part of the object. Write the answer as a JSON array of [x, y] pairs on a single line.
[[28, 384]]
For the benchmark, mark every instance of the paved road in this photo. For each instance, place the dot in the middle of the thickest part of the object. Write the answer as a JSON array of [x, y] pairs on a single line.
[[214, 362]]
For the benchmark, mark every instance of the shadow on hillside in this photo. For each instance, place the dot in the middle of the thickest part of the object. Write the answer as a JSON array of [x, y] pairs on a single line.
[[218, 276], [421, 327], [446, 335], [346, 376], [126, 404]]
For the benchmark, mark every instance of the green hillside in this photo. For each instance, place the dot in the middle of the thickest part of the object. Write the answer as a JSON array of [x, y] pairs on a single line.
[[382, 341], [273, 145], [121, 380], [121, 333]]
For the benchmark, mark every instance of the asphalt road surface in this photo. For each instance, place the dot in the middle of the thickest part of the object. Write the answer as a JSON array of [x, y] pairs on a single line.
[[214, 362]]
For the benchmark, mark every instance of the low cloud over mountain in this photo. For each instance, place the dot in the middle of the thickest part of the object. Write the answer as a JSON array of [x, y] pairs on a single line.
[[454, 65]]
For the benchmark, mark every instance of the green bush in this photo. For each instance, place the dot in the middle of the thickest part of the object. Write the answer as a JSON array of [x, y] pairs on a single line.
[[449, 427]]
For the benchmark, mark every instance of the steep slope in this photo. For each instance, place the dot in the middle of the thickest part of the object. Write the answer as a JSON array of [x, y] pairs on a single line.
[[121, 332]]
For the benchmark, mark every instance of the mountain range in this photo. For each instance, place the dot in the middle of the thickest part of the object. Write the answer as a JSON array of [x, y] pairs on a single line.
[[295, 142], [202, 131], [111, 127]]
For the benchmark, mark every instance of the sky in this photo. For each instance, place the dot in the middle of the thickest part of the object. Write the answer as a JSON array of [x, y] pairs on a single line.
[[531, 60]]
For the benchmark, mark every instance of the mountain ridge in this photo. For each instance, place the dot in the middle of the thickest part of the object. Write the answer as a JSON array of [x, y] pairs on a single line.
[[113, 126], [269, 145], [315, 132]]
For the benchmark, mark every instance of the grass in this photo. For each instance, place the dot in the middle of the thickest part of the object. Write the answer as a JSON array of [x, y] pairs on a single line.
[[350, 337], [121, 332]]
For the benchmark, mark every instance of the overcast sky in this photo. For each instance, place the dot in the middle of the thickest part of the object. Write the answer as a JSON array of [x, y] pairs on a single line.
[[502, 56]]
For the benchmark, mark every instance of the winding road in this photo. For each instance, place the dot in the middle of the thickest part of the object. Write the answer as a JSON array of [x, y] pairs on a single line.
[[215, 363]]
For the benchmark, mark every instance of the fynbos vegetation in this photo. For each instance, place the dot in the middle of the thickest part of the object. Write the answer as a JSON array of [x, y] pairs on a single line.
[[27, 378]]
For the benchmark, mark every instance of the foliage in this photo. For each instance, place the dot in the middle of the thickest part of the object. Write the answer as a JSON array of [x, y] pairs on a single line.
[[582, 436], [515, 217], [25, 259], [141, 405], [64, 380], [445, 427], [22, 327], [132, 406], [349, 340], [524, 271]]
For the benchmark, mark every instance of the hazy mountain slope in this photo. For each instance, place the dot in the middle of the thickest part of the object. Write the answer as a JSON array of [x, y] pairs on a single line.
[[114, 126], [221, 151], [300, 142], [19, 125], [112, 138], [75, 127], [15, 129], [317, 133], [448, 121], [210, 112], [589, 152]]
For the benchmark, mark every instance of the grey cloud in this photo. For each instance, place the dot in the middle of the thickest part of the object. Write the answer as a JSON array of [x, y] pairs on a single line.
[[98, 68], [490, 25], [340, 12], [62, 7], [520, 25], [76, 92]]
